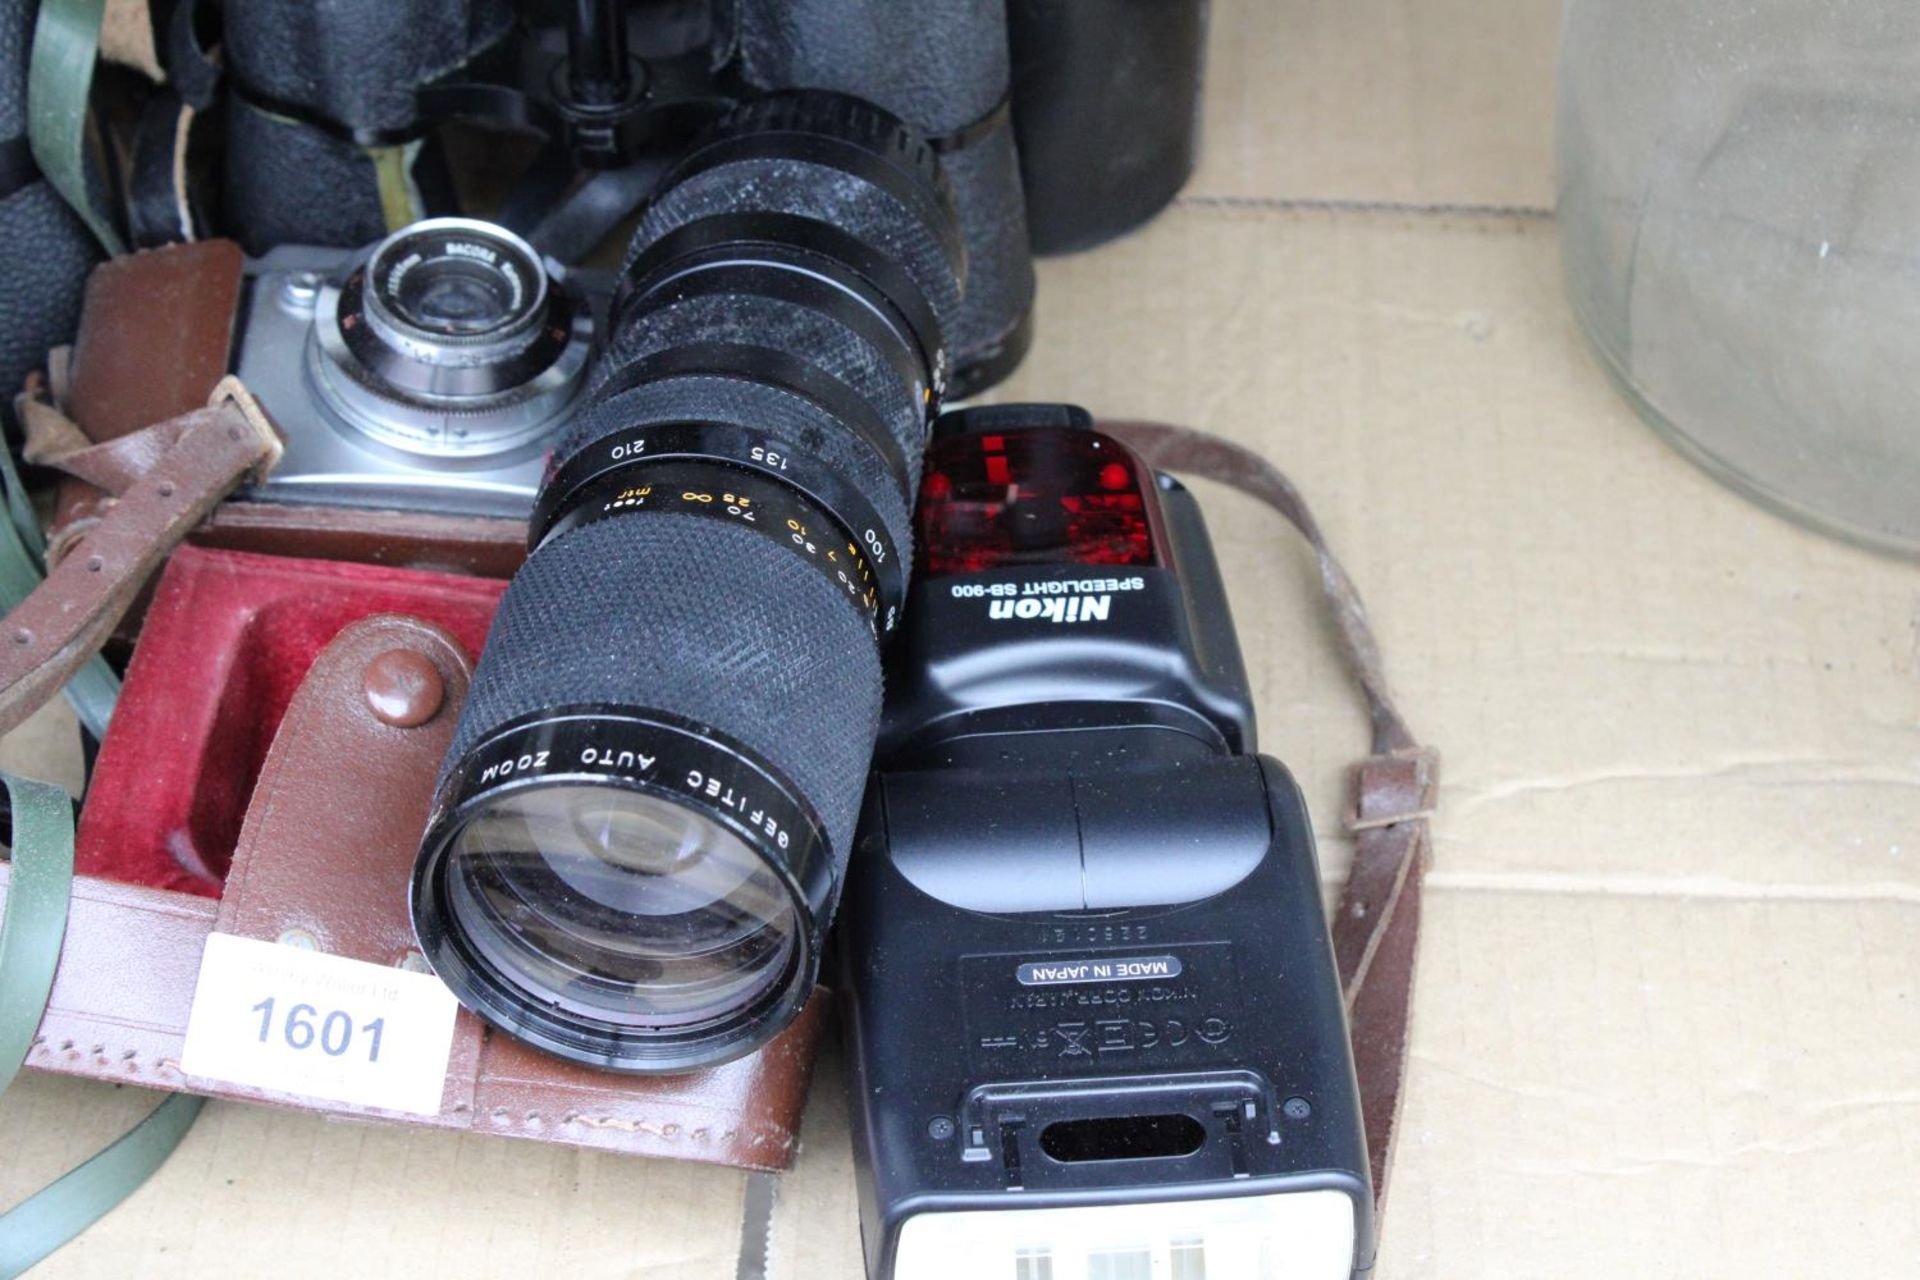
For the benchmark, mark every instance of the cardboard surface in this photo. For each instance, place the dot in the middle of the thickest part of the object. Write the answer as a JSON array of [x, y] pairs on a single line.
[[1668, 1016], [1420, 102]]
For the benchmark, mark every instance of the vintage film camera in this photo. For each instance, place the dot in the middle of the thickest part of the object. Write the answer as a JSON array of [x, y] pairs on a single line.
[[430, 372], [433, 412], [615, 90]]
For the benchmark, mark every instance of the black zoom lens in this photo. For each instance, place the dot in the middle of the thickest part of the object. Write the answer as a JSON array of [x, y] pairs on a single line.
[[642, 824]]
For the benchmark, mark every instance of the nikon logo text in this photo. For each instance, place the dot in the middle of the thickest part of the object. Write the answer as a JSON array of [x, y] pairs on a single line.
[[1054, 608]]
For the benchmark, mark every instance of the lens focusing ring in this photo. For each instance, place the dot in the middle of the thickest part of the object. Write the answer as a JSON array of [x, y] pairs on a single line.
[[658, 754], [756, 252], [480, 372], [769, 366], [499, 388], [747, 497], [781, 481], [837, 131], [470, 259]]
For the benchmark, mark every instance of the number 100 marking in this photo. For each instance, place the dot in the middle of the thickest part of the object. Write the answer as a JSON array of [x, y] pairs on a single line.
[[333, 1033]]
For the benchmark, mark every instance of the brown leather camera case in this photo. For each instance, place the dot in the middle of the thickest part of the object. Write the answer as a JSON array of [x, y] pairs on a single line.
[[323, 860]]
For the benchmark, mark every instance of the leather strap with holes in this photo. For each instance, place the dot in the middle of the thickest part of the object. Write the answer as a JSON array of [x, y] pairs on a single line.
[[164, 480], [1377, 924]]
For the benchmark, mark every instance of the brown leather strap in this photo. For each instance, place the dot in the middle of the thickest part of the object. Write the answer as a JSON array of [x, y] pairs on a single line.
[[1376, 926], [191, 463], [55, 440], [155, 333], [326, 850]]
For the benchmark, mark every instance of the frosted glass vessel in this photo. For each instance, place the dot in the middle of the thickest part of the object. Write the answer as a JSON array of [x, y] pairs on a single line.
[[1739, 201]]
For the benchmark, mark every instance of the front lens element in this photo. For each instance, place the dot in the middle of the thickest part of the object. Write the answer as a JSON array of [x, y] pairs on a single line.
[[456, 297], [452, 279], [618, 906]]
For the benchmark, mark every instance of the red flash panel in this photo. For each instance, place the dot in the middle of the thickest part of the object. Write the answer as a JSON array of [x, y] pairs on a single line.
[[1040, 496]]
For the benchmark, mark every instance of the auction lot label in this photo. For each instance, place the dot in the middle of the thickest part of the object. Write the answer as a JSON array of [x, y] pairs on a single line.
[[293, 1021]]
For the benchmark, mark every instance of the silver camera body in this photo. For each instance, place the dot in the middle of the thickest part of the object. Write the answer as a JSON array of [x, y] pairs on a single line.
[[428, 372]]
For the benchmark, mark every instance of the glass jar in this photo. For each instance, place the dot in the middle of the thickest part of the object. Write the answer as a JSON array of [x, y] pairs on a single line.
[[1739, 203]]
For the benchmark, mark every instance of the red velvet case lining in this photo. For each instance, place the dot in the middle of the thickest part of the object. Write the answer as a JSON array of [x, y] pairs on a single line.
[[227, 641]]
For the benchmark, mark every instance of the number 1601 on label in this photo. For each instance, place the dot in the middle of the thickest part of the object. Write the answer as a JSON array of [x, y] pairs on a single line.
[[303, 1023]]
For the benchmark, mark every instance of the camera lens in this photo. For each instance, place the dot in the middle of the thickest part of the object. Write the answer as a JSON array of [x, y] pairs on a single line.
[[625, 906], [450, 285], [648, 804], [455, 298], [451, 340]]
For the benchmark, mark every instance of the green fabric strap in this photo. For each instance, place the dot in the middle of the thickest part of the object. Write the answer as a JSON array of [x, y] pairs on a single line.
[[60, 1211], [66, 44], [35, 919], [32, 928], [20, 515], [94, 688]]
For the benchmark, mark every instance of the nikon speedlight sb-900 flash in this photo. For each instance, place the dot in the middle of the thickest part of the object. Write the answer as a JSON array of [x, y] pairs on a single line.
[[1095, 1027]]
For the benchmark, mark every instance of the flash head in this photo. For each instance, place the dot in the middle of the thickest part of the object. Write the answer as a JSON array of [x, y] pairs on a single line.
[[1302, 1235]]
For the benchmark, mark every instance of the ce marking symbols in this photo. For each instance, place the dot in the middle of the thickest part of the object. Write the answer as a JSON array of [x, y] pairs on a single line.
[[1081, 1040]]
